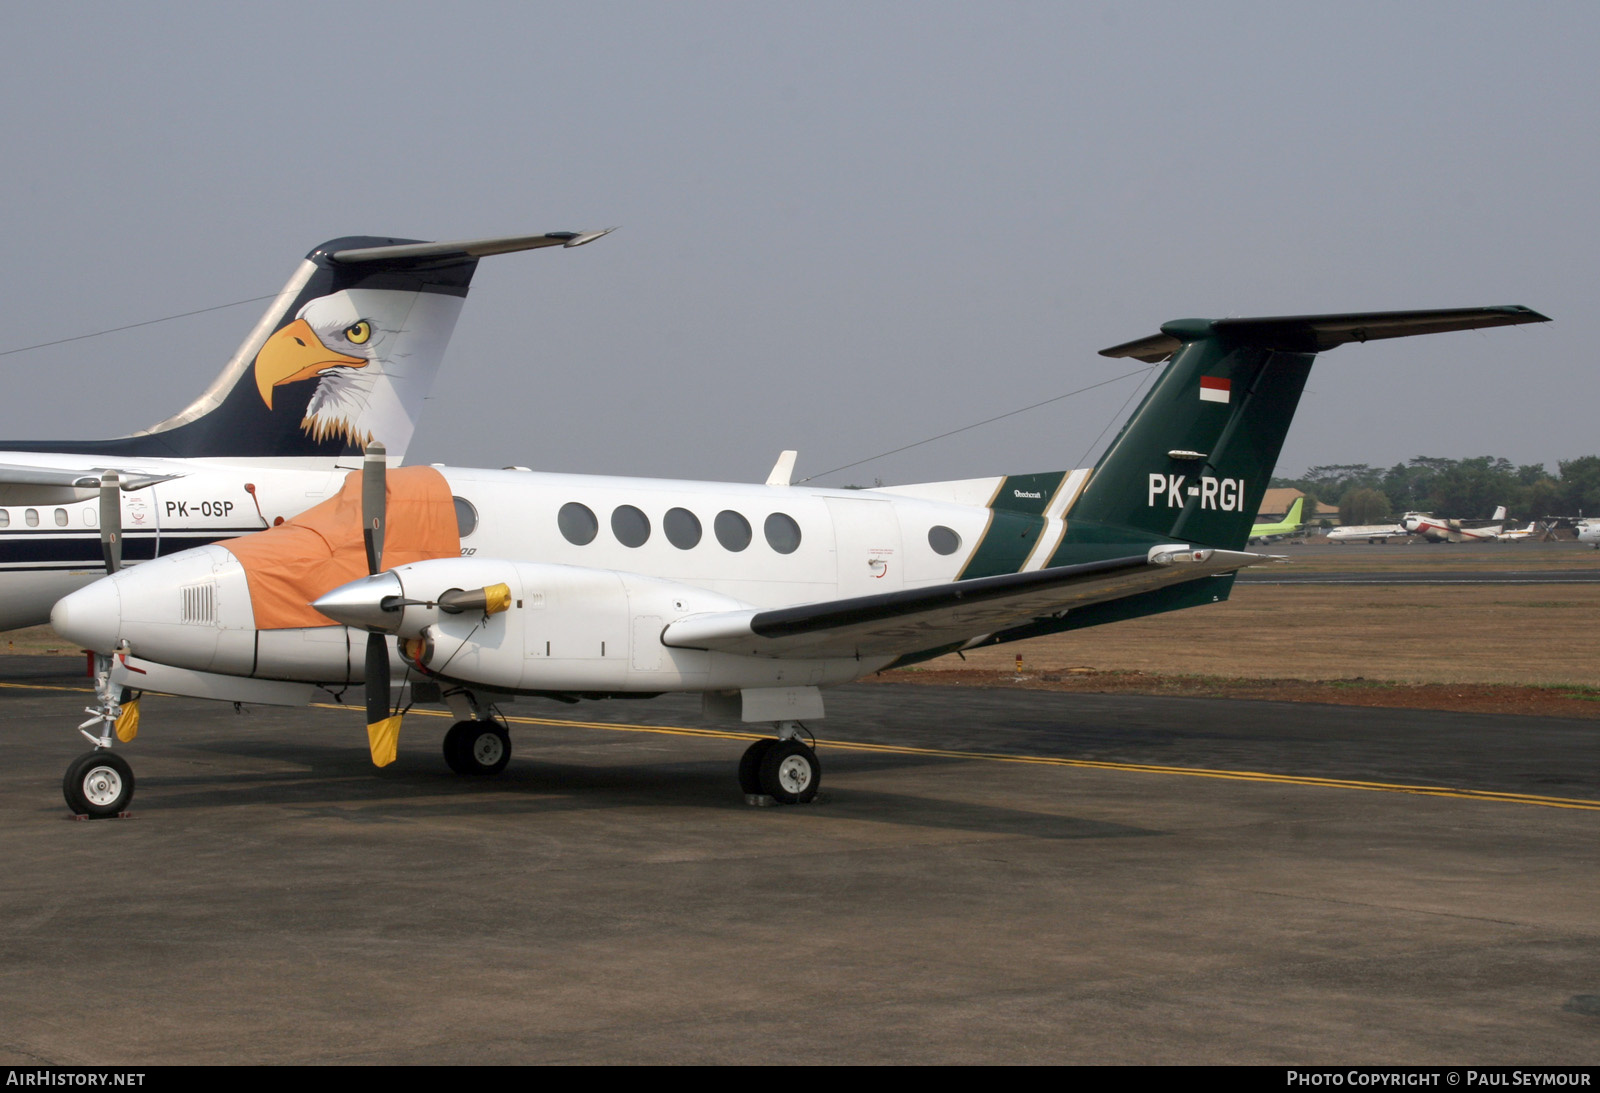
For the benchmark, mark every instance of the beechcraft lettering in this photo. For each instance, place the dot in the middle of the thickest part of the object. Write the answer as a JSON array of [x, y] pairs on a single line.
[[1216, 494], [752, 596], [1034, 496]]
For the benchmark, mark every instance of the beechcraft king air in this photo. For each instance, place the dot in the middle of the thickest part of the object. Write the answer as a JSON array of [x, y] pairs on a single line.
[[472, 587], [344, 356]]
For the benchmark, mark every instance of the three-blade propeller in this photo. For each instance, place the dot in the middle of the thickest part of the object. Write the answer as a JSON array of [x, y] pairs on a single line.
[[383, 724], [111, 520], [377, 604]]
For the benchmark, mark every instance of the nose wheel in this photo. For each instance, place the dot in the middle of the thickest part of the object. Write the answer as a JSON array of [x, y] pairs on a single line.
[[785, 770], [98, 784], [477, 747]]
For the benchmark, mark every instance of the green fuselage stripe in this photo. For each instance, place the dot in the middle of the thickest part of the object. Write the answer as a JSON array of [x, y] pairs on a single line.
[[1016, 524]]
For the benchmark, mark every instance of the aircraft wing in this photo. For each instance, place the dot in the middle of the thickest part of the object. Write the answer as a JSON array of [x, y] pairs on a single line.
[[16, 477], [914, 620]]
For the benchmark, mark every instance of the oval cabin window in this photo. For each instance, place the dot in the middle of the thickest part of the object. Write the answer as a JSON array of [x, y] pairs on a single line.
[[733, 530], [466, 516], [783, 534], [682, 528], [577, 523], [630, 526]]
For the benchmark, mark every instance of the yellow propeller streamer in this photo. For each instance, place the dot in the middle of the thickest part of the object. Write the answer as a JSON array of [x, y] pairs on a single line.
[[384, 737]]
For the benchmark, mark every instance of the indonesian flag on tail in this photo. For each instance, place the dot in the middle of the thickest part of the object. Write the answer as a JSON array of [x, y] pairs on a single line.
[[1215, 389]]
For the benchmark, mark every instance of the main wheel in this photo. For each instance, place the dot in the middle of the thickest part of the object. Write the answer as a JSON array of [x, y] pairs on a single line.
[[98, 784], [477, 747], [790, 773], [750, 766]]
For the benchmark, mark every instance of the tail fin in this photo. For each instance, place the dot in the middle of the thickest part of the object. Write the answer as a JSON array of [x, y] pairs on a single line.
[[345, 354], [1193, 461]]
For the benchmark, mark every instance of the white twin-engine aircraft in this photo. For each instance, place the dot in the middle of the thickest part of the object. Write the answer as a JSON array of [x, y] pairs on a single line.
[[1437, 530], [345, 355], [469, 587]]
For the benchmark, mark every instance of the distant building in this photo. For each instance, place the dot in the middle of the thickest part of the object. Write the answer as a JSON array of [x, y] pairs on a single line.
[[1276, 502]]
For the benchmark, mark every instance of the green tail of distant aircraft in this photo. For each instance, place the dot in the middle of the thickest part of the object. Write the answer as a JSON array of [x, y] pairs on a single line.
[[1287, 526]]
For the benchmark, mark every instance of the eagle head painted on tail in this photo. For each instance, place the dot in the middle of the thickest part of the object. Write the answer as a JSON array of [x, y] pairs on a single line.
[[351, 348], [345, 355]]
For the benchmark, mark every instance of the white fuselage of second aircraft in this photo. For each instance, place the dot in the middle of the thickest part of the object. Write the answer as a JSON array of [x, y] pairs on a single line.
[[50, 543]]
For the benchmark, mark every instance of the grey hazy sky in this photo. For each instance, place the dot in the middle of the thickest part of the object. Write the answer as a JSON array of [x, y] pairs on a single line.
[[844, 226]]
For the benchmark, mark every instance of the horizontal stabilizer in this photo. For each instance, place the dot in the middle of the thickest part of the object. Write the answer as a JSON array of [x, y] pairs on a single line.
[[914, 620], [1316, 333], [470, 248]]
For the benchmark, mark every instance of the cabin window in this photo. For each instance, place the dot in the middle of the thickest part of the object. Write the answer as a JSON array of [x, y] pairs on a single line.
[[466, 516], [733, 530], [61, 518], [32, 517], [682, 528], [943, 540], [5, 518], [630, 526], [783, 534], [577, 523], [90, 517]]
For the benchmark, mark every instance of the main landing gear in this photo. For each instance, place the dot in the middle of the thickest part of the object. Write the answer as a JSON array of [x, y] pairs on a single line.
[[784, 769], [477, 747]]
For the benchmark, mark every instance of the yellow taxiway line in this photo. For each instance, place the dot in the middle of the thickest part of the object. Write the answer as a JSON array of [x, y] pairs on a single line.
[[1050, 761], [1000, 757]]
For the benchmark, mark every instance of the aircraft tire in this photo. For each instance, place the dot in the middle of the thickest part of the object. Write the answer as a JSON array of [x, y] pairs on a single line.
[[477, 748], [750, 766], [98, 784], [790, 773]]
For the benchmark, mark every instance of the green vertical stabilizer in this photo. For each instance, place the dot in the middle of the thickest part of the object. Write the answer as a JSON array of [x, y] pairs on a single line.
[[1193, 461]]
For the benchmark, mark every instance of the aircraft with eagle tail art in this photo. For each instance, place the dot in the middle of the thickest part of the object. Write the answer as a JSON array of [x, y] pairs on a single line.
[[470, 588], [343, 357]]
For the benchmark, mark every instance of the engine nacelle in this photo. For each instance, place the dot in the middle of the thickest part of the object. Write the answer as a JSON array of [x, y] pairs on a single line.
[[576, 629], [568, 628]]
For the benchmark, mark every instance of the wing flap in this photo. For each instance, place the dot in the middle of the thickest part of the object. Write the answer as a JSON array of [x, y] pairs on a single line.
[[899, 623]]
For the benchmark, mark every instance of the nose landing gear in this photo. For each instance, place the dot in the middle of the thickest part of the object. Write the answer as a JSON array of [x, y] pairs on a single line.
[[98, 784]]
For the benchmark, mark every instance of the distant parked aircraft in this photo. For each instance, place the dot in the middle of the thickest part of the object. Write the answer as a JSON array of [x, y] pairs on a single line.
[[1436, 530], [1266, 533], [1368, 533]]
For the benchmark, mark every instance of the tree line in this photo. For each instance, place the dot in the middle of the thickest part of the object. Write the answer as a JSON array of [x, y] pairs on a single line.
[[1465, 488]]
